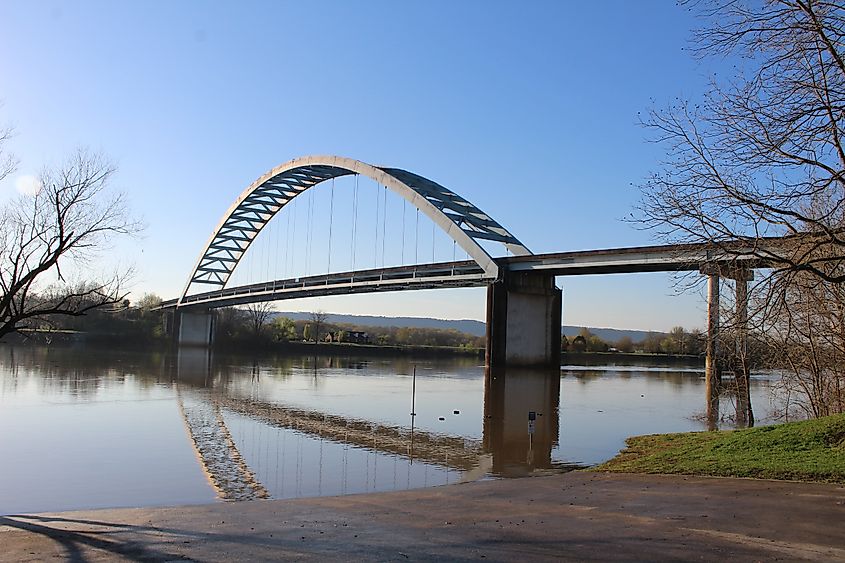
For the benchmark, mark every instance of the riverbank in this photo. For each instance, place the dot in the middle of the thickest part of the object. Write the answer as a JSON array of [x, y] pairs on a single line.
[[351, 349], [807, 450], [632, 358], [574, 516]]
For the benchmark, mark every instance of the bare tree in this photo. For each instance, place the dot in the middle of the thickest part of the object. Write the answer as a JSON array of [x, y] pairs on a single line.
[[67, 223], [7, 160], [763, 154], [258, 316], [803, 334], [318, 318]]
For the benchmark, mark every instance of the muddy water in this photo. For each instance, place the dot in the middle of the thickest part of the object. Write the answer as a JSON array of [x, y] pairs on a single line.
[[85, 428]]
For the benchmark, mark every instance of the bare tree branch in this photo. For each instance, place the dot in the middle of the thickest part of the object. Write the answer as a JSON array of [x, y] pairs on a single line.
[[762, 155], [258, 316], [73, 217]]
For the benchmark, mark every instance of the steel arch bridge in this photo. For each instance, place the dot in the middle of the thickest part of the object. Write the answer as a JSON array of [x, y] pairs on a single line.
[[523, 304], [465, 223]]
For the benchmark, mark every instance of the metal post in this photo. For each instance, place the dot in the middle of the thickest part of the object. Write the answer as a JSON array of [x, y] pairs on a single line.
[[414, 394], [711, 368]]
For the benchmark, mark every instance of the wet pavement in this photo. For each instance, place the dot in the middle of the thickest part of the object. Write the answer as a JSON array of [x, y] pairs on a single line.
[[575, 516]]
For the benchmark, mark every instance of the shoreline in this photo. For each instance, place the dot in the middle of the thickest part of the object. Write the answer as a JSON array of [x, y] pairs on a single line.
[[301, 348], [572, 516]]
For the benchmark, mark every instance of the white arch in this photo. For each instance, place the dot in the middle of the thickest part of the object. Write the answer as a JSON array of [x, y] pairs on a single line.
[[265, 197]]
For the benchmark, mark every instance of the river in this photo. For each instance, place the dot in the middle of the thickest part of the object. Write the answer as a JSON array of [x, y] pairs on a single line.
[[88, 428]]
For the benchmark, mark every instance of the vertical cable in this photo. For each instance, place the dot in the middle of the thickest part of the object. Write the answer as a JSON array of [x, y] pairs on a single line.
[[265, 252], [276, 253], [293, 237], [287, 244], [331, 220], [354, 220], [383, 225], [375, 242], [310, 234], [417, 238], [404, 204]]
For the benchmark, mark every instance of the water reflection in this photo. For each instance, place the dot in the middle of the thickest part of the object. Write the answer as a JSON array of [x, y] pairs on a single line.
[[208, 389], [520, 429], [521, 419], [99, 428]]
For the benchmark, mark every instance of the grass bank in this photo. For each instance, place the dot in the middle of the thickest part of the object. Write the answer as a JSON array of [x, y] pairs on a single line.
[[809, 450]]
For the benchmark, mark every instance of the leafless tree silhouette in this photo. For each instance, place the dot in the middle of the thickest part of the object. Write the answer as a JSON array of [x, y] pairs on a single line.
[[71, 219]]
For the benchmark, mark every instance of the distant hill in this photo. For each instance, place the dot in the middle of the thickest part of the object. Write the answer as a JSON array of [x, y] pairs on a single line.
[[476, 328], [607, 334]]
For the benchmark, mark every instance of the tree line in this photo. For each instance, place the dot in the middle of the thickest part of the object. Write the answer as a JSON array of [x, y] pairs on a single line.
[[259, 325], [677, 342]]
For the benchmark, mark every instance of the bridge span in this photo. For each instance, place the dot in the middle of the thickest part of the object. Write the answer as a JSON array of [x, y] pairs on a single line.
[[466, 273], [523, 303]]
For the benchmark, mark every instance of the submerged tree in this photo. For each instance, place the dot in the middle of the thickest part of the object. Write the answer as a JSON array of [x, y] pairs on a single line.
[[63, 226]]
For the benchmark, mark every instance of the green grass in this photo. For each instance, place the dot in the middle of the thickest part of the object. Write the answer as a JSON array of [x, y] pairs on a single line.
[[810, 450]]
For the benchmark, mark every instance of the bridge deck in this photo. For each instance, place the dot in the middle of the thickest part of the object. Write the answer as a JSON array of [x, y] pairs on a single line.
[[466, 273], [639, 259]]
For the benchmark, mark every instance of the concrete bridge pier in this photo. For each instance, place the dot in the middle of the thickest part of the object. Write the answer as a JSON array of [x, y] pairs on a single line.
[[194, 327], [738, 356], [523, 321]]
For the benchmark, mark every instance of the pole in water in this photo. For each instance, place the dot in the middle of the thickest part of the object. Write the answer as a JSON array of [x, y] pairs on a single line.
[[414, 391]]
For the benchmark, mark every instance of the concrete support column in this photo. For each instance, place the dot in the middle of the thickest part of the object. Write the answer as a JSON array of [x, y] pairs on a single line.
[[194, 328], [744, 414], [712, 374], [523, 321]]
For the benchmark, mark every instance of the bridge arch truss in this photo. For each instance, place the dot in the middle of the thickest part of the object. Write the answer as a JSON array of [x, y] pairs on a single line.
[[465, 223]]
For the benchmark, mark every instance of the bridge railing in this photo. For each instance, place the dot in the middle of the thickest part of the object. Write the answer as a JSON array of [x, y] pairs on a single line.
[[464, 273]]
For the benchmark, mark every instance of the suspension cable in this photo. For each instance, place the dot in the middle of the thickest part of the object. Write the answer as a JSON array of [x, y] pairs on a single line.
[[287, 243], [293, 239], [266, 249], [383, 225], [375, 242], [417, 238], [354, 219], [276, 254], [309, 235], [404, 204], [331, 220]]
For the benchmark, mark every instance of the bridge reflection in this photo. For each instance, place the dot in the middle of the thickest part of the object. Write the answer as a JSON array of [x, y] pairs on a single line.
[[520, 429], [521, 419]]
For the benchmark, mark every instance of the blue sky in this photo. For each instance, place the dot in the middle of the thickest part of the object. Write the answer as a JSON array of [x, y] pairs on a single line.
[[527, 109]]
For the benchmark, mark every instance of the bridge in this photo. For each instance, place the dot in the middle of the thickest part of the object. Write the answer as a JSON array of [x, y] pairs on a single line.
[[523, 303]]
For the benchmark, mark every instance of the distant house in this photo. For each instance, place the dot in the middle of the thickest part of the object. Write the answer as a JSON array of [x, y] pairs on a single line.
[[356, 337], [353, 336]]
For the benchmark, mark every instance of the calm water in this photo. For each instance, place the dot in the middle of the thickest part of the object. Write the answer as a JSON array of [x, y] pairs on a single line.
[[89, 429]]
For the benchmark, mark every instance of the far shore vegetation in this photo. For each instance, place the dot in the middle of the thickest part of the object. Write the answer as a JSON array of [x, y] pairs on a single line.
[[807, 450], [258, 327]]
